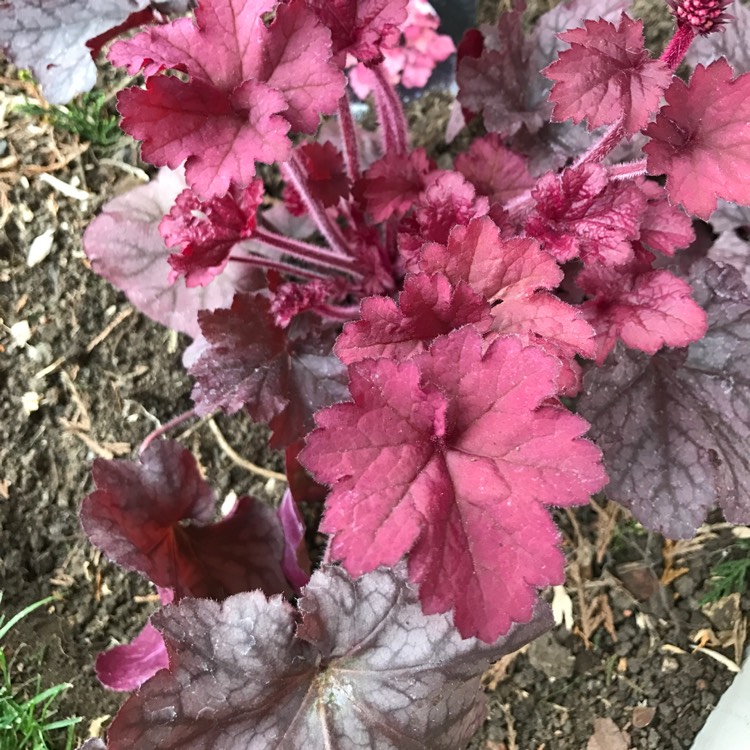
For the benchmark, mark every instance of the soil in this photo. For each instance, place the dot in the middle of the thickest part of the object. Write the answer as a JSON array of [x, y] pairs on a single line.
[[95, 377]]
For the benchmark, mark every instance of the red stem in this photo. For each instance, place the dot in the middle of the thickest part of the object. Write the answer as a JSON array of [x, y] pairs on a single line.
[[628, 170], [675, 51], [392, 111], [278, 265], [612, 136], [294, 172], [343, 314], [349, 133], [306, 252], [166, 427]]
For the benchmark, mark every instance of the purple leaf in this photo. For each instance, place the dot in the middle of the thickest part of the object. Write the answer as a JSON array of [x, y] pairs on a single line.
[[282, 376], [128, 666], [49, 37], [366, 669], [125, 247], [674, 428]]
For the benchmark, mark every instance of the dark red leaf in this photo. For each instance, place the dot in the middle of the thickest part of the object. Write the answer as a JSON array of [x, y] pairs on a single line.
[[155, 517]]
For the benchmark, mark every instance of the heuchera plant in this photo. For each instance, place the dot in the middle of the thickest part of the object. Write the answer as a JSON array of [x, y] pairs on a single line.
[[415, 336]]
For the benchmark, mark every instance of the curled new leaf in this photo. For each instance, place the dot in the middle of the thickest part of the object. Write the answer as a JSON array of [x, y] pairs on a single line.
[[155, 517], [450, 458], [365, 669]]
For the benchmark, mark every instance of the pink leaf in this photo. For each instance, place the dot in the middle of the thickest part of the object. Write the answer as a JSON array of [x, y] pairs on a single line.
[[551, 324], [494, 170], [644, 308], [128, 666], [155, 517], [428, 307], [392, 184], [673, 427], [361, 28], [607, 75], [664, 227], [248, 84], [296, 563], [701, 140], [494, 267], [124, 246], [326, 174], [248, 670], [450, 458], [582, 213], [206, 231]]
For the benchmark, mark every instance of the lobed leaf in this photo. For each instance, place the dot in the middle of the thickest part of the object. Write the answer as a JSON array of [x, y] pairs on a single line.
[[248, 85], [607, 76], [124, 246], [365, 669], [449, 458], [674, 427], [701, 138], [281, 376]]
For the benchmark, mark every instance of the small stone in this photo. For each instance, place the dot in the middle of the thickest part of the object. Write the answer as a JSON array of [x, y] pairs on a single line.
[[669, 664], [643, 716]]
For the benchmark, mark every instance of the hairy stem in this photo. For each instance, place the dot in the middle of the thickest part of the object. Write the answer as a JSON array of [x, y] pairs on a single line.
[[294, 172], [306, 252], [628, 170], [390, 111], [349, 137], [278, 265], [674, 53], [612, 136]]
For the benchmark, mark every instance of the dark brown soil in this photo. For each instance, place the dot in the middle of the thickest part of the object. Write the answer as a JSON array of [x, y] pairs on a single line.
[[105, 376]]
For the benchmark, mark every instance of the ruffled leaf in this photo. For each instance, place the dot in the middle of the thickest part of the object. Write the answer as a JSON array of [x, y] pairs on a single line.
[[606, 76], [248, 85]]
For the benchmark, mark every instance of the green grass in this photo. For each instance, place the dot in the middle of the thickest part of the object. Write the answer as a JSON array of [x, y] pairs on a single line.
[[26, 711], [729, 576], [86, 116]]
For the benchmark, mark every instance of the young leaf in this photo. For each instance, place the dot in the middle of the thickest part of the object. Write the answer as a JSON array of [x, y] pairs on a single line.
[[155, 517], [450, 458], [664, 227], [606, 76], [365, 669], [50, 39], [673, 427], [645, 308], [428, 307], [206, 231], [701, 140], [361, 28], [282, 376], [124, 246], [249, 84], [582, 213]]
